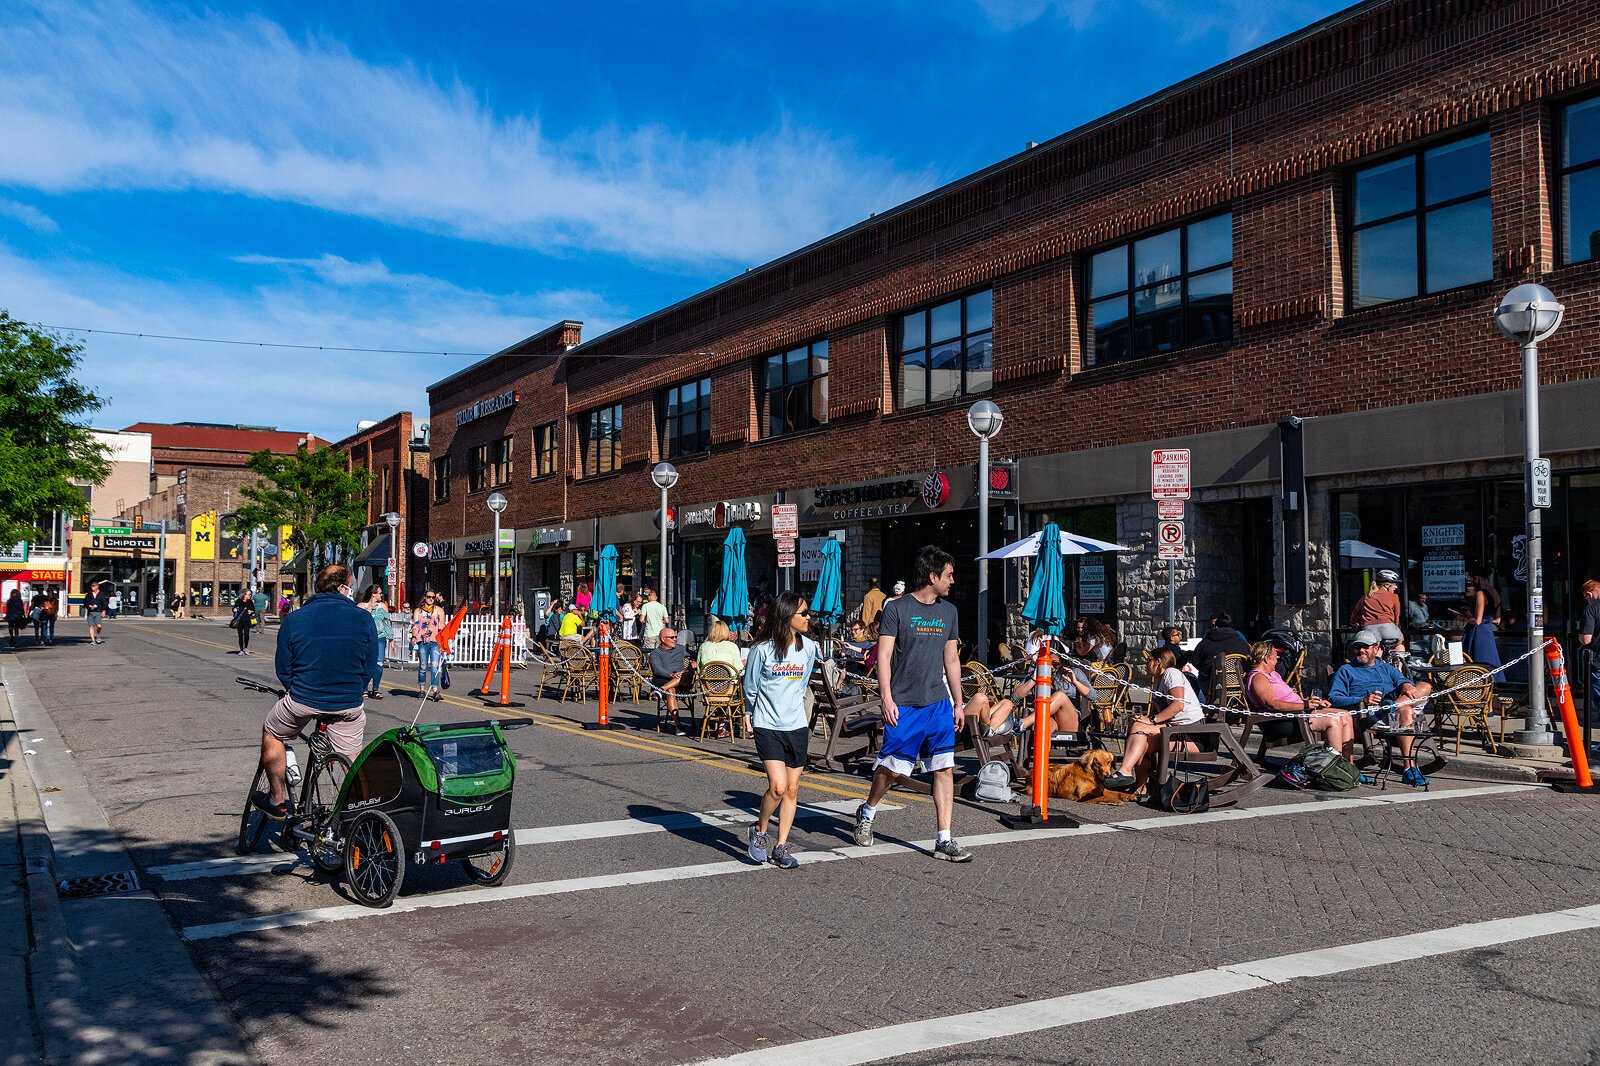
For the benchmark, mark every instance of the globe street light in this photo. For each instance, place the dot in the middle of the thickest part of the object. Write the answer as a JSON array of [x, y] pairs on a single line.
[[497, 504], [984, 419], [1527, 315], [393, 519], [665, 475]]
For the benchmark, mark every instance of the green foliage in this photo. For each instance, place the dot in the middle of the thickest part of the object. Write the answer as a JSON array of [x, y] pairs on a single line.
[[45, 449], [310, 491]]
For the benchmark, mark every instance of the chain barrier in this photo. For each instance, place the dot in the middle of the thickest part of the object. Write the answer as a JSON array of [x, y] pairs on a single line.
[[1331, 713]]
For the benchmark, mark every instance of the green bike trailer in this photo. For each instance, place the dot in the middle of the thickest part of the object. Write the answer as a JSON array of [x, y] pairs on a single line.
[[427, 795]]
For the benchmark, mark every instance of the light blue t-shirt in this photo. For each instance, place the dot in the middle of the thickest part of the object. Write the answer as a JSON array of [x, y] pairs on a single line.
[[775, 689]]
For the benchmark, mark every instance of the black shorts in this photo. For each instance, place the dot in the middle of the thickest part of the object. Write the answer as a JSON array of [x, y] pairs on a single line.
[[787, 746]]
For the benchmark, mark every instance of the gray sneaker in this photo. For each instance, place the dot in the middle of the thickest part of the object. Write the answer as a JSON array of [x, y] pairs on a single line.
[[782, 859], [758, 845], [950, 851], [863, 829]]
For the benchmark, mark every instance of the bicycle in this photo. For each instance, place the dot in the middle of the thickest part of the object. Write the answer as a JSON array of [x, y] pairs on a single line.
[[311, 820]]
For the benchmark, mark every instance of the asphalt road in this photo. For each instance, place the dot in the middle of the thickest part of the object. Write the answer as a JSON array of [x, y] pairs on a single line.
[[628, 933]]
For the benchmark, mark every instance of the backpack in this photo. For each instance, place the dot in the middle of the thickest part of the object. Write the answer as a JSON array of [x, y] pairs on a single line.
[[994, 782], [1327, 769]]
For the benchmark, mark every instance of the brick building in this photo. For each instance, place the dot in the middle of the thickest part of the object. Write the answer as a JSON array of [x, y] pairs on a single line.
[[196, 472], [1286, 264], [397, 456]]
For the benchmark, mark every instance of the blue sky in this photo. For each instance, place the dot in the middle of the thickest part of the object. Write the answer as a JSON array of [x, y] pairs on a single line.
[[451, 177]]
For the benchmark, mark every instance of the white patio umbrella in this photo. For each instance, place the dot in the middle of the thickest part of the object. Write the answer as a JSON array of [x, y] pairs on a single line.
[[1359, 555], [1071, 544]]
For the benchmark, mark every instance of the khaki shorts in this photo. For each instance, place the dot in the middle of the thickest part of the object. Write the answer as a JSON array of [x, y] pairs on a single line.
[[345, 728]]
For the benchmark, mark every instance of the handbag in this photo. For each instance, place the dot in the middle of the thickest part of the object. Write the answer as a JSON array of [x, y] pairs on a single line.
[[444, 675], [1183, 793]]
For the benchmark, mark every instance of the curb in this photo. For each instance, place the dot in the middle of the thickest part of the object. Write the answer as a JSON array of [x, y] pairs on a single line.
[[41, 908], [109, 979]]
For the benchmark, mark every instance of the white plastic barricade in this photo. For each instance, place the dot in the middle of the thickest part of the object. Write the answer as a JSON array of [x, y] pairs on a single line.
[[474, 642]]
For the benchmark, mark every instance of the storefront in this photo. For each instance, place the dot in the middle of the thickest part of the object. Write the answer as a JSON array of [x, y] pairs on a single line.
[[702, 532], [131, 564], [475, 580], [440, 569], [544, 555]]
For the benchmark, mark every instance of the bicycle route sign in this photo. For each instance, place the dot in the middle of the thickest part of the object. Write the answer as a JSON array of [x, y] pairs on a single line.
[[1169, 474]]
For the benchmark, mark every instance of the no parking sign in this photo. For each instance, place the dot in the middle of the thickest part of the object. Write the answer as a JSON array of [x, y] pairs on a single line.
[[1169, 540]]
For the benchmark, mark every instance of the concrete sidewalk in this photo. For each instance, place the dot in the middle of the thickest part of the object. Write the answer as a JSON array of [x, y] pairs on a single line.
[[106, 977]]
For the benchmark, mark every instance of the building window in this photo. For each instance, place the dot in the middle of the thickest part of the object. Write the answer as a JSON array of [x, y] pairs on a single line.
[[685, 412], [441, 479], [1420, 224], [545, 454], [947, 350], [600, 440], [1162, 292], [794, 390], [500, 469], [1579, 201], [478, 469]]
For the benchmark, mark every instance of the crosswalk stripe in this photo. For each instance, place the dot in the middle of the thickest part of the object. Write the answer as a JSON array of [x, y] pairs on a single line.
[[889, 847], [234, 865]]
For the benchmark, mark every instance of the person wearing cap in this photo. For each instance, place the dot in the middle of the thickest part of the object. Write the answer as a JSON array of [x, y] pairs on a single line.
[[899, 590], [1379, 609], [1366, 684]]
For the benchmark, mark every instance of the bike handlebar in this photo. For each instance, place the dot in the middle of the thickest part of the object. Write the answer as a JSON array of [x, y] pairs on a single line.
[[250, 682]]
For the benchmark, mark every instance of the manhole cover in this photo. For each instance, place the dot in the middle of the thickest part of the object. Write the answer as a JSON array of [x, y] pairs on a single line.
[[98, 885]]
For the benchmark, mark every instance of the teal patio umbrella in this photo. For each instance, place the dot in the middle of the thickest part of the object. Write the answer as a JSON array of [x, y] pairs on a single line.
[[1046, 608], [732, 604], [604, 596], [826, 604]]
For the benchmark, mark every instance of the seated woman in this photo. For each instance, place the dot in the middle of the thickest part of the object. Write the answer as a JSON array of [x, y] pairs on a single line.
[[1265, 690], [1172, 702], [1066, 684], [719, 647], [859, 654]]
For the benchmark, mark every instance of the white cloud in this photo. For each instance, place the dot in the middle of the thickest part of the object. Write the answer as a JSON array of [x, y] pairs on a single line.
[[28, 215], [328, 300], [111, 96]]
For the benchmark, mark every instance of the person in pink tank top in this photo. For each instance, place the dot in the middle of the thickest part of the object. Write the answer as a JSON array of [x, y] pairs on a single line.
[[1265, 690]]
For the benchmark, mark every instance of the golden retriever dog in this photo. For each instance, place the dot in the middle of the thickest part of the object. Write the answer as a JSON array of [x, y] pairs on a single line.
[[1084, 780]]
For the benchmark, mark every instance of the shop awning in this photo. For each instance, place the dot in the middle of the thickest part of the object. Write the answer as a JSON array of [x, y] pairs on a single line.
[[375, 554], [300, 565]]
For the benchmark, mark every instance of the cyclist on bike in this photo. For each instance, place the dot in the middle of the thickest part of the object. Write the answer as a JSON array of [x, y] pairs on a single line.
[[327, 652]]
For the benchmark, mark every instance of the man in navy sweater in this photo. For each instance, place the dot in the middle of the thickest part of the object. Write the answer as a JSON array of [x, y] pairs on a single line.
[[327, 652], [1370, 687]]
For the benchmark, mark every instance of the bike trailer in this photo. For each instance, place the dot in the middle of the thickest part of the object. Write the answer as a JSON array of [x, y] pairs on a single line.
[[446, 787]]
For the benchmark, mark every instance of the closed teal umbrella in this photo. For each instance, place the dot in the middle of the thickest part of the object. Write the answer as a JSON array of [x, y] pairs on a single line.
[[732, 604], [604, 597], [1046, 608], [827, 605]]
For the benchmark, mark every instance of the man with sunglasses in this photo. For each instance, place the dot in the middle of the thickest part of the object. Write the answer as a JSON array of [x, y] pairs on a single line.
[[327, 652]]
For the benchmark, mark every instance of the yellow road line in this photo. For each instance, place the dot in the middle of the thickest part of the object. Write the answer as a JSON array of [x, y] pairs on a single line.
[[851, 790]]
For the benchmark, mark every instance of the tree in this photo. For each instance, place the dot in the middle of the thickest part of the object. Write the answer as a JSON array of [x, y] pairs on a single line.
[[46, 452], [311, 492]]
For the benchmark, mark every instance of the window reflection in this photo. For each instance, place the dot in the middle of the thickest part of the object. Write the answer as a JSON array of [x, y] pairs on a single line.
[[1163, 291]]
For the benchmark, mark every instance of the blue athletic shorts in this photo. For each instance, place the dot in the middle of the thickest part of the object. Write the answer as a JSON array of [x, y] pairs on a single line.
[[925, 735]]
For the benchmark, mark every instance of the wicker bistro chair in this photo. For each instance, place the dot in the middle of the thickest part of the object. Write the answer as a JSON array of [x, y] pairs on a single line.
[[1231, 675], [1112, 714], [722, 697], [1469, 707], [580, 671], [627, 671]]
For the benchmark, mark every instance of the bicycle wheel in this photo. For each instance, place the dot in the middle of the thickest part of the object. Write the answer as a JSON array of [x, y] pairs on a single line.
[[252, 823], [491, 868], [374, 863], [317, 797]]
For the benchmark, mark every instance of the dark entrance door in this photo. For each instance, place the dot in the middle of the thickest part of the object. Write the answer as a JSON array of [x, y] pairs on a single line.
[[956, 533]]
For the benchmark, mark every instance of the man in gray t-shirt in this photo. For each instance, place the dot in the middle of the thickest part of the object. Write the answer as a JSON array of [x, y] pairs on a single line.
[[668, 664], [919, 674]]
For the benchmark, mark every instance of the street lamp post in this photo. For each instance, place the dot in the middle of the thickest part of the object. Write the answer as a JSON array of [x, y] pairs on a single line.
[[497, 504], [1527, 315], [393, 519], [984, 419], [665, 475]]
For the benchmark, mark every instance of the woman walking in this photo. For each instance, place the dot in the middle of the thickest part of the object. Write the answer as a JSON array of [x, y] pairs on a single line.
[[1482, 614], [48, 611], [776, 677], [16, 615], [373, 602], [244, 619]]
